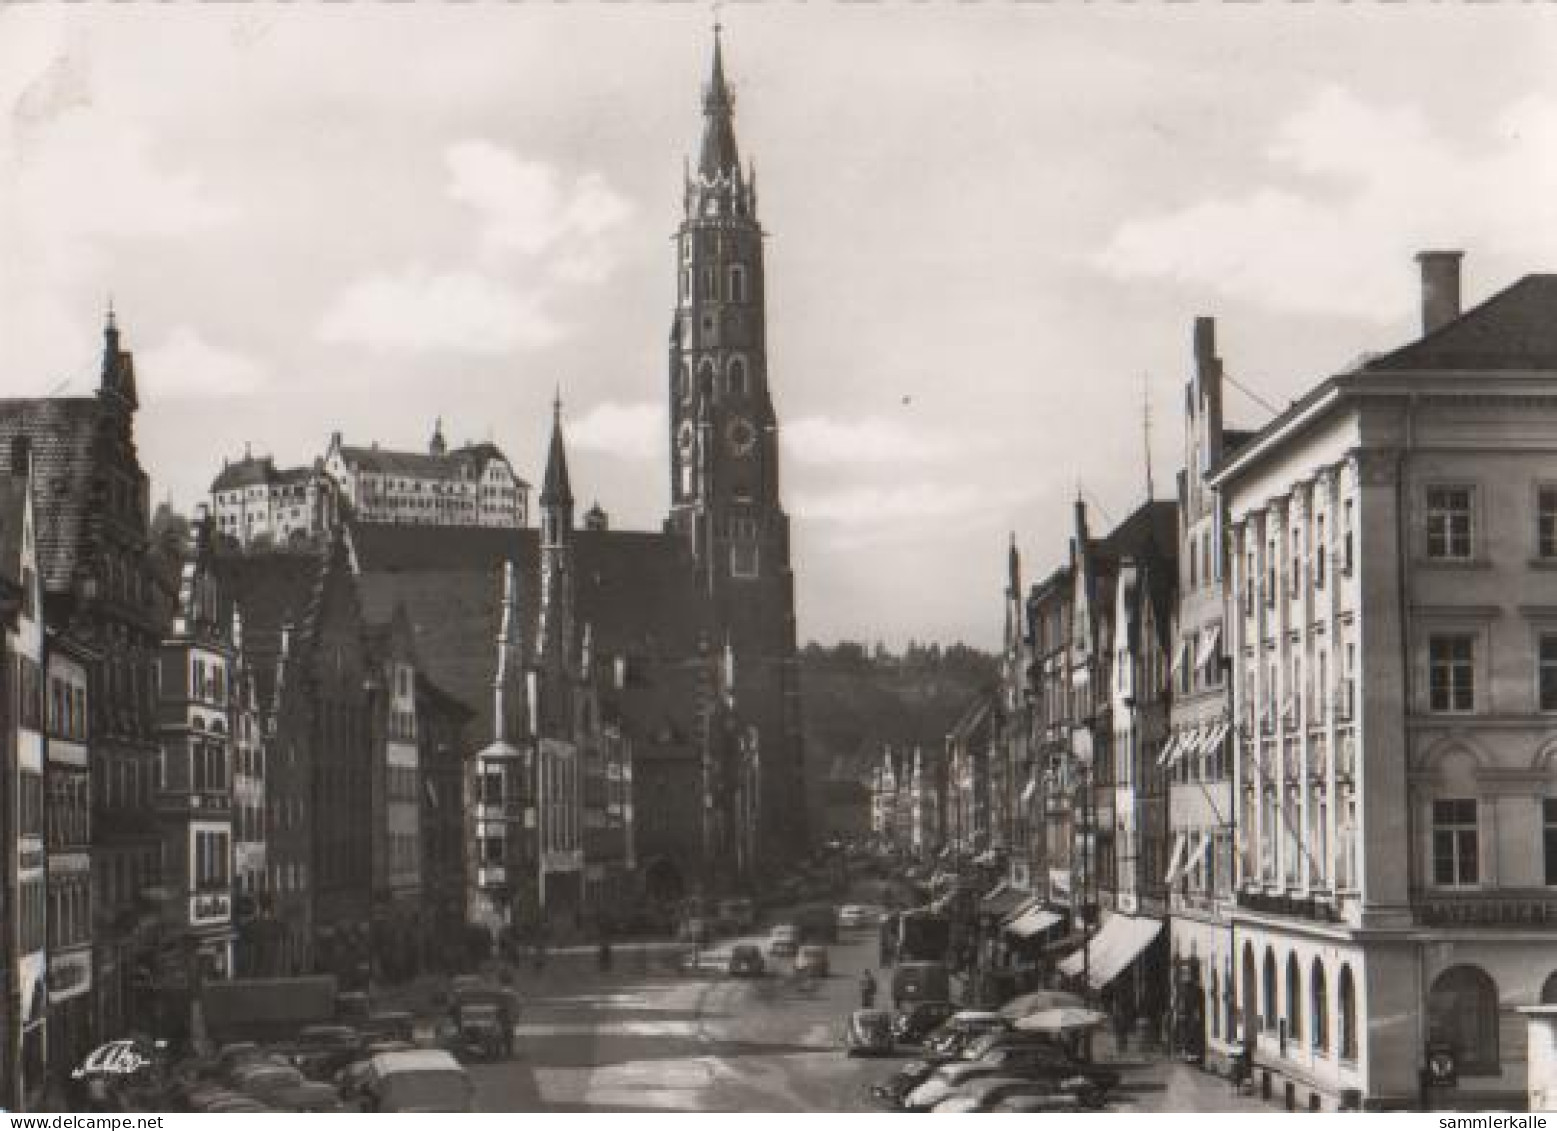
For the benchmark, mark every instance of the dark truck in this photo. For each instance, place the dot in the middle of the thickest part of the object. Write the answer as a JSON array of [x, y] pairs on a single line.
[[267, 1009], [818, 923], [923, 937]]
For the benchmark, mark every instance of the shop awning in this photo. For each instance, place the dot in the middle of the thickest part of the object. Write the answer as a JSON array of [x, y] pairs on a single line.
[[1193, 740], [1169, 751], [1208, 644], [1119, 943], [1180, 657], [1003, 900], [1030, 789], [1218, 732], [1176, 861], [1034, 922], [1019, 910]]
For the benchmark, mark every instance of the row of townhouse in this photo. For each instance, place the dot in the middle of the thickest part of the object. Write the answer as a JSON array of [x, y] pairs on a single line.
[[1279, 752], [222, 764]]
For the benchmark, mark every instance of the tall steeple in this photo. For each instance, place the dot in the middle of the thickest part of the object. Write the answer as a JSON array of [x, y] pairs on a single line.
[[719, 156], [554, 631], [118, 373]]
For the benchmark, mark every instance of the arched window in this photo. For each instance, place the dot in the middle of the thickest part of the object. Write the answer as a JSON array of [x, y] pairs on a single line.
[[705, 377], [738, 376], [737, 282], [685, 382], [1348, 1015], [1318, 1007], [1462, 1012], [1294, 999], [1270, 990]]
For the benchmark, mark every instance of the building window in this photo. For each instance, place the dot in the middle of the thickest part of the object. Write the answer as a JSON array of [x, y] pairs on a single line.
[[1294, 999], [1547, 681], [1449, 523], [1318, 1008], [1348, 1015], [1319, 551], [738, 386], [1348, 540], [1452, 673], [1270, 990], [1546, 523], [1549, 837], [1462, 1012], [737, 283], [1454, 842]]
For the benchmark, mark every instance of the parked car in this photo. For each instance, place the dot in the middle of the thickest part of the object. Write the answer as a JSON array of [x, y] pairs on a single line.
[[427, 1080], [917, 1020], [746, 962], [390, 1026], [983, 1094], [920, 981], [263, 1081], [869, 1031], [784, 940], [963, 1027], [1043, 1063], [812, 960], [892, 1091], [310, 1097], [854, 915], [323, 1050]]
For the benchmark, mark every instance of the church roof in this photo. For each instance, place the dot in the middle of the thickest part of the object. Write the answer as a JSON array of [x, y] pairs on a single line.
[[272, 588], [636, 589], [13, 507], [62, 433], [1515, 329]]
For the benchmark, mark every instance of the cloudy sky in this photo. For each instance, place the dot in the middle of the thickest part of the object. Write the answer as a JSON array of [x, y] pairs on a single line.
[[991, 227]]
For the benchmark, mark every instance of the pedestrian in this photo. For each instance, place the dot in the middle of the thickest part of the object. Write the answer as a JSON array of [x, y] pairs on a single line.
[[867, 990]]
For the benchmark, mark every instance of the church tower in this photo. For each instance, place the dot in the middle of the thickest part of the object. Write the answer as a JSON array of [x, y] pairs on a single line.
[[724, 457], [554, 628], [724, 435]]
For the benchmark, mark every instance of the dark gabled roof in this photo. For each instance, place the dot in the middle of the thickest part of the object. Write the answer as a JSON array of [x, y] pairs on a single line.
[[420, 465], [247, 472], [636, 589], [1153, 526], [62, 433], [1235, 438], [272, 588], [13, 512], [1515, 329]]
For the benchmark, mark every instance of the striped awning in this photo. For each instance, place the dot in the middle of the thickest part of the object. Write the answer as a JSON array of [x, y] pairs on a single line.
[[1034, 922], [1119, 943]]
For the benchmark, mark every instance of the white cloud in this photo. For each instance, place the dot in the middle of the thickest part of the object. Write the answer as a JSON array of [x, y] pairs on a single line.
[[876, 506], [526, 205], [632, 431], [186, 366], [458, 311], [868, 440], [1349, 190]]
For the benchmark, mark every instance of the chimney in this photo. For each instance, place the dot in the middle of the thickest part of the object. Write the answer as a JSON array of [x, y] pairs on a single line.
[[1440, 288], [1208, 376]]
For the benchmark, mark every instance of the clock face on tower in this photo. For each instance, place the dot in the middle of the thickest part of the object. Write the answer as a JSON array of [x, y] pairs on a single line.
[[740, 436]]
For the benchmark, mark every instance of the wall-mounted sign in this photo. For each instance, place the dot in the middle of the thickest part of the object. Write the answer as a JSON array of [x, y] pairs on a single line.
[[210, 908], [68, 976]]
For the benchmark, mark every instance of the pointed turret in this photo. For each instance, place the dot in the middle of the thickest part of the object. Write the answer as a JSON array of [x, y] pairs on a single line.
[[556, 490], [437, 447], [118, 373], [719, 156]]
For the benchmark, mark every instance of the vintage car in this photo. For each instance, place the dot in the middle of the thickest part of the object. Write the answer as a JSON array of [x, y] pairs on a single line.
[[812, 960], [323, 1050], [784, 940], [426, 1080], [962, 1028], [746, 962], [869, 1032], [985, 1093], [915, 1021], [1040, 1063]]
